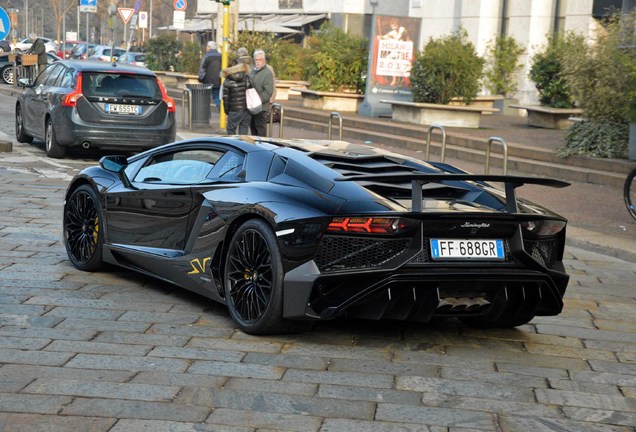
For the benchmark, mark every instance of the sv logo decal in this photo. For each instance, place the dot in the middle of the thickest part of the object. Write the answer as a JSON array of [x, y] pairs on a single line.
[[198, 266]]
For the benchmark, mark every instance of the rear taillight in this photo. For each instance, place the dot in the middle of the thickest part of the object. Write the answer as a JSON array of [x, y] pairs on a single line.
[[369, 225], [70, 100], [167, 99]]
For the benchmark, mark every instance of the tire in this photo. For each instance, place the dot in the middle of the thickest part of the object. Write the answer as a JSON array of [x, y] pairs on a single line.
[[53, 148], [7, 74], [254, 280], [83, 235], [629, 193], [20, 134]]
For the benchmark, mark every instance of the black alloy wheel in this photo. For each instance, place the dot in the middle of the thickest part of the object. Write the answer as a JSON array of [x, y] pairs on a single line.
[[83, 234], [254, 280], [20, 134]]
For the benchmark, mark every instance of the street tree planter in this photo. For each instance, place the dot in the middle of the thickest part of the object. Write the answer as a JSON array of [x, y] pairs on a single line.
[[548, 117], [286, 88], [465, 116], [329, 101]]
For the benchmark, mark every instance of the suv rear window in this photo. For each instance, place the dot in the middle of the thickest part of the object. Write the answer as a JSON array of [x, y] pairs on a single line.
[[96, 84]]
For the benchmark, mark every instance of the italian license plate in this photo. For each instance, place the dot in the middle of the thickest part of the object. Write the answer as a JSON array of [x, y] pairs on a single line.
[[123, 109], [442, 249]]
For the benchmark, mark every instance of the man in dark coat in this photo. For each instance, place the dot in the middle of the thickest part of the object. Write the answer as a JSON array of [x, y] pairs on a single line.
[[38, 48], [263, 79], [234, 104], [210, 71]]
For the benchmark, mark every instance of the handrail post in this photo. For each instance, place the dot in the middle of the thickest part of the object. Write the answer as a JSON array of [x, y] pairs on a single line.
[[505, 153], [428, 140], [271, 120], [331, 116], [187, 94]]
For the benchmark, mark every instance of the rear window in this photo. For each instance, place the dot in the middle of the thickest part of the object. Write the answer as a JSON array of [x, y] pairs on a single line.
[[120, 85]]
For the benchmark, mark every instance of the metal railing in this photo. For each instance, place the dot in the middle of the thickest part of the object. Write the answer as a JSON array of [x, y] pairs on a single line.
[[271, 120], [499, 140], [331, 116], [186, 95], [428, 140]]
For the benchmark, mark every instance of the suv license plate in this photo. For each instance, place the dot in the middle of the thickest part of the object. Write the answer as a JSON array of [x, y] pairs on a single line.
[[123, 109], [467, 249]]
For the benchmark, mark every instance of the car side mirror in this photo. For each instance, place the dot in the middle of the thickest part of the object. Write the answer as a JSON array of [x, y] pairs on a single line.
[[24, 82], [117, 165]]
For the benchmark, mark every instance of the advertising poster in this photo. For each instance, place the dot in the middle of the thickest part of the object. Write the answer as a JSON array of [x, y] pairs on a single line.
[[391, 54]]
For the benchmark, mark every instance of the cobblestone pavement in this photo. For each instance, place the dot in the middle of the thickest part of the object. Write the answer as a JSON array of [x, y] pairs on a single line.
[[116, 351]]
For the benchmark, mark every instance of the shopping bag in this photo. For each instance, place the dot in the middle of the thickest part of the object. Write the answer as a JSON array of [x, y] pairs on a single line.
[[253, 100]]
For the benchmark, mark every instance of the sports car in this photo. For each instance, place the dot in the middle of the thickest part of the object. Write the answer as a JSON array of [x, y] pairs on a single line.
[[286, 232]]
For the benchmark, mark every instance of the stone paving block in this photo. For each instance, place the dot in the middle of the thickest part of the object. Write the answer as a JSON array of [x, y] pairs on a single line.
[[382, 381], [272, 386], [197, 354], [616, 347], [427, 358], [602, 417], [99, 348], [105, 325], [575, 353], [495, 377], [128, 338], [585, 387], [155, 317], [230, 369], [286, 360], [622, 325], [435, 416], [544, 372], [31, 357], [179, 379], [279, 403], [463, 388], [25, 320], [605, 366], [585, 400], [23, 343], [33, 372], [263, 420], [369, 394], [604, 378], [262, 345], [132, 409], [56, 333], [214, 330], [105, 390], [62, 300], [383, 367], [137, 363], [6, 299], [335, 351], [512, 423], [36, 404], [10, 422], [346, 425], [85, 313], [15, 311], [12, 383], [127, 425], [523, 336]]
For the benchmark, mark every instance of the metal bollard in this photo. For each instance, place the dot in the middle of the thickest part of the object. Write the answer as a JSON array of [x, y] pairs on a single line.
[[505, 153], [282, 119], [331, 116], [187, 95], [428, 140]]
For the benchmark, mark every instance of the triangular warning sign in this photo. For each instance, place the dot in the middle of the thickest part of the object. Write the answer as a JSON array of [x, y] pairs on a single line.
[[125, 13]]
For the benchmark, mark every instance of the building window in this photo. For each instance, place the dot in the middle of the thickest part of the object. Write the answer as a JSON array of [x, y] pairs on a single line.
[[290, 4]]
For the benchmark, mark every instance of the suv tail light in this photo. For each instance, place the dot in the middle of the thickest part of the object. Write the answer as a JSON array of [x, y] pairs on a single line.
[[70, 100], [167, 99]]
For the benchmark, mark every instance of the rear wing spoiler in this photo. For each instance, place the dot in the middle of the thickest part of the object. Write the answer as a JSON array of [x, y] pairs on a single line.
[[419, 179]]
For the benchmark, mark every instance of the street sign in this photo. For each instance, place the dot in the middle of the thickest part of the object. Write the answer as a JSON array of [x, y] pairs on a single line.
[[126, 13], [178, 19], [180, 5], [88, 6], [143, 19], [5, 23]]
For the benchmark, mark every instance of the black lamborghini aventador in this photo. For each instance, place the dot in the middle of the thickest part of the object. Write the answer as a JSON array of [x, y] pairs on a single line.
[[288, 231]]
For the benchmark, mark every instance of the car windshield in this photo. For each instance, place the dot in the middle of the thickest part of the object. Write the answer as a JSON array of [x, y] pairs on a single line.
[[122, 85]]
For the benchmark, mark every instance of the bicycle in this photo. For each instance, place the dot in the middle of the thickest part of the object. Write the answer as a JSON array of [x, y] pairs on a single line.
[[629, 193]]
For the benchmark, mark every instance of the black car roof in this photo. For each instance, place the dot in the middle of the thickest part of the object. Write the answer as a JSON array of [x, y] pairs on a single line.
[[101, 66]]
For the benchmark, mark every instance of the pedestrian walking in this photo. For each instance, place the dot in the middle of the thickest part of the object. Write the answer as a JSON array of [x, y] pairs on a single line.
[[236, 83], [262, 78], [210, 71]]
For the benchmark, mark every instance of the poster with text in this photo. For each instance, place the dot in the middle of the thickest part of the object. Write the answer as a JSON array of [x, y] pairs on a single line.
[[394, 47]]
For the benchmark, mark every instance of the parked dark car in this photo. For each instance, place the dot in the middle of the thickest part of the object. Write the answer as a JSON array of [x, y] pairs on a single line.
[[289, 231], [95, 104], [80, 52], [6, 66]]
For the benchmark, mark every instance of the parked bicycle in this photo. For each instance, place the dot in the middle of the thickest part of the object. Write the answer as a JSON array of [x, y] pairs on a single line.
[[629, 192]]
